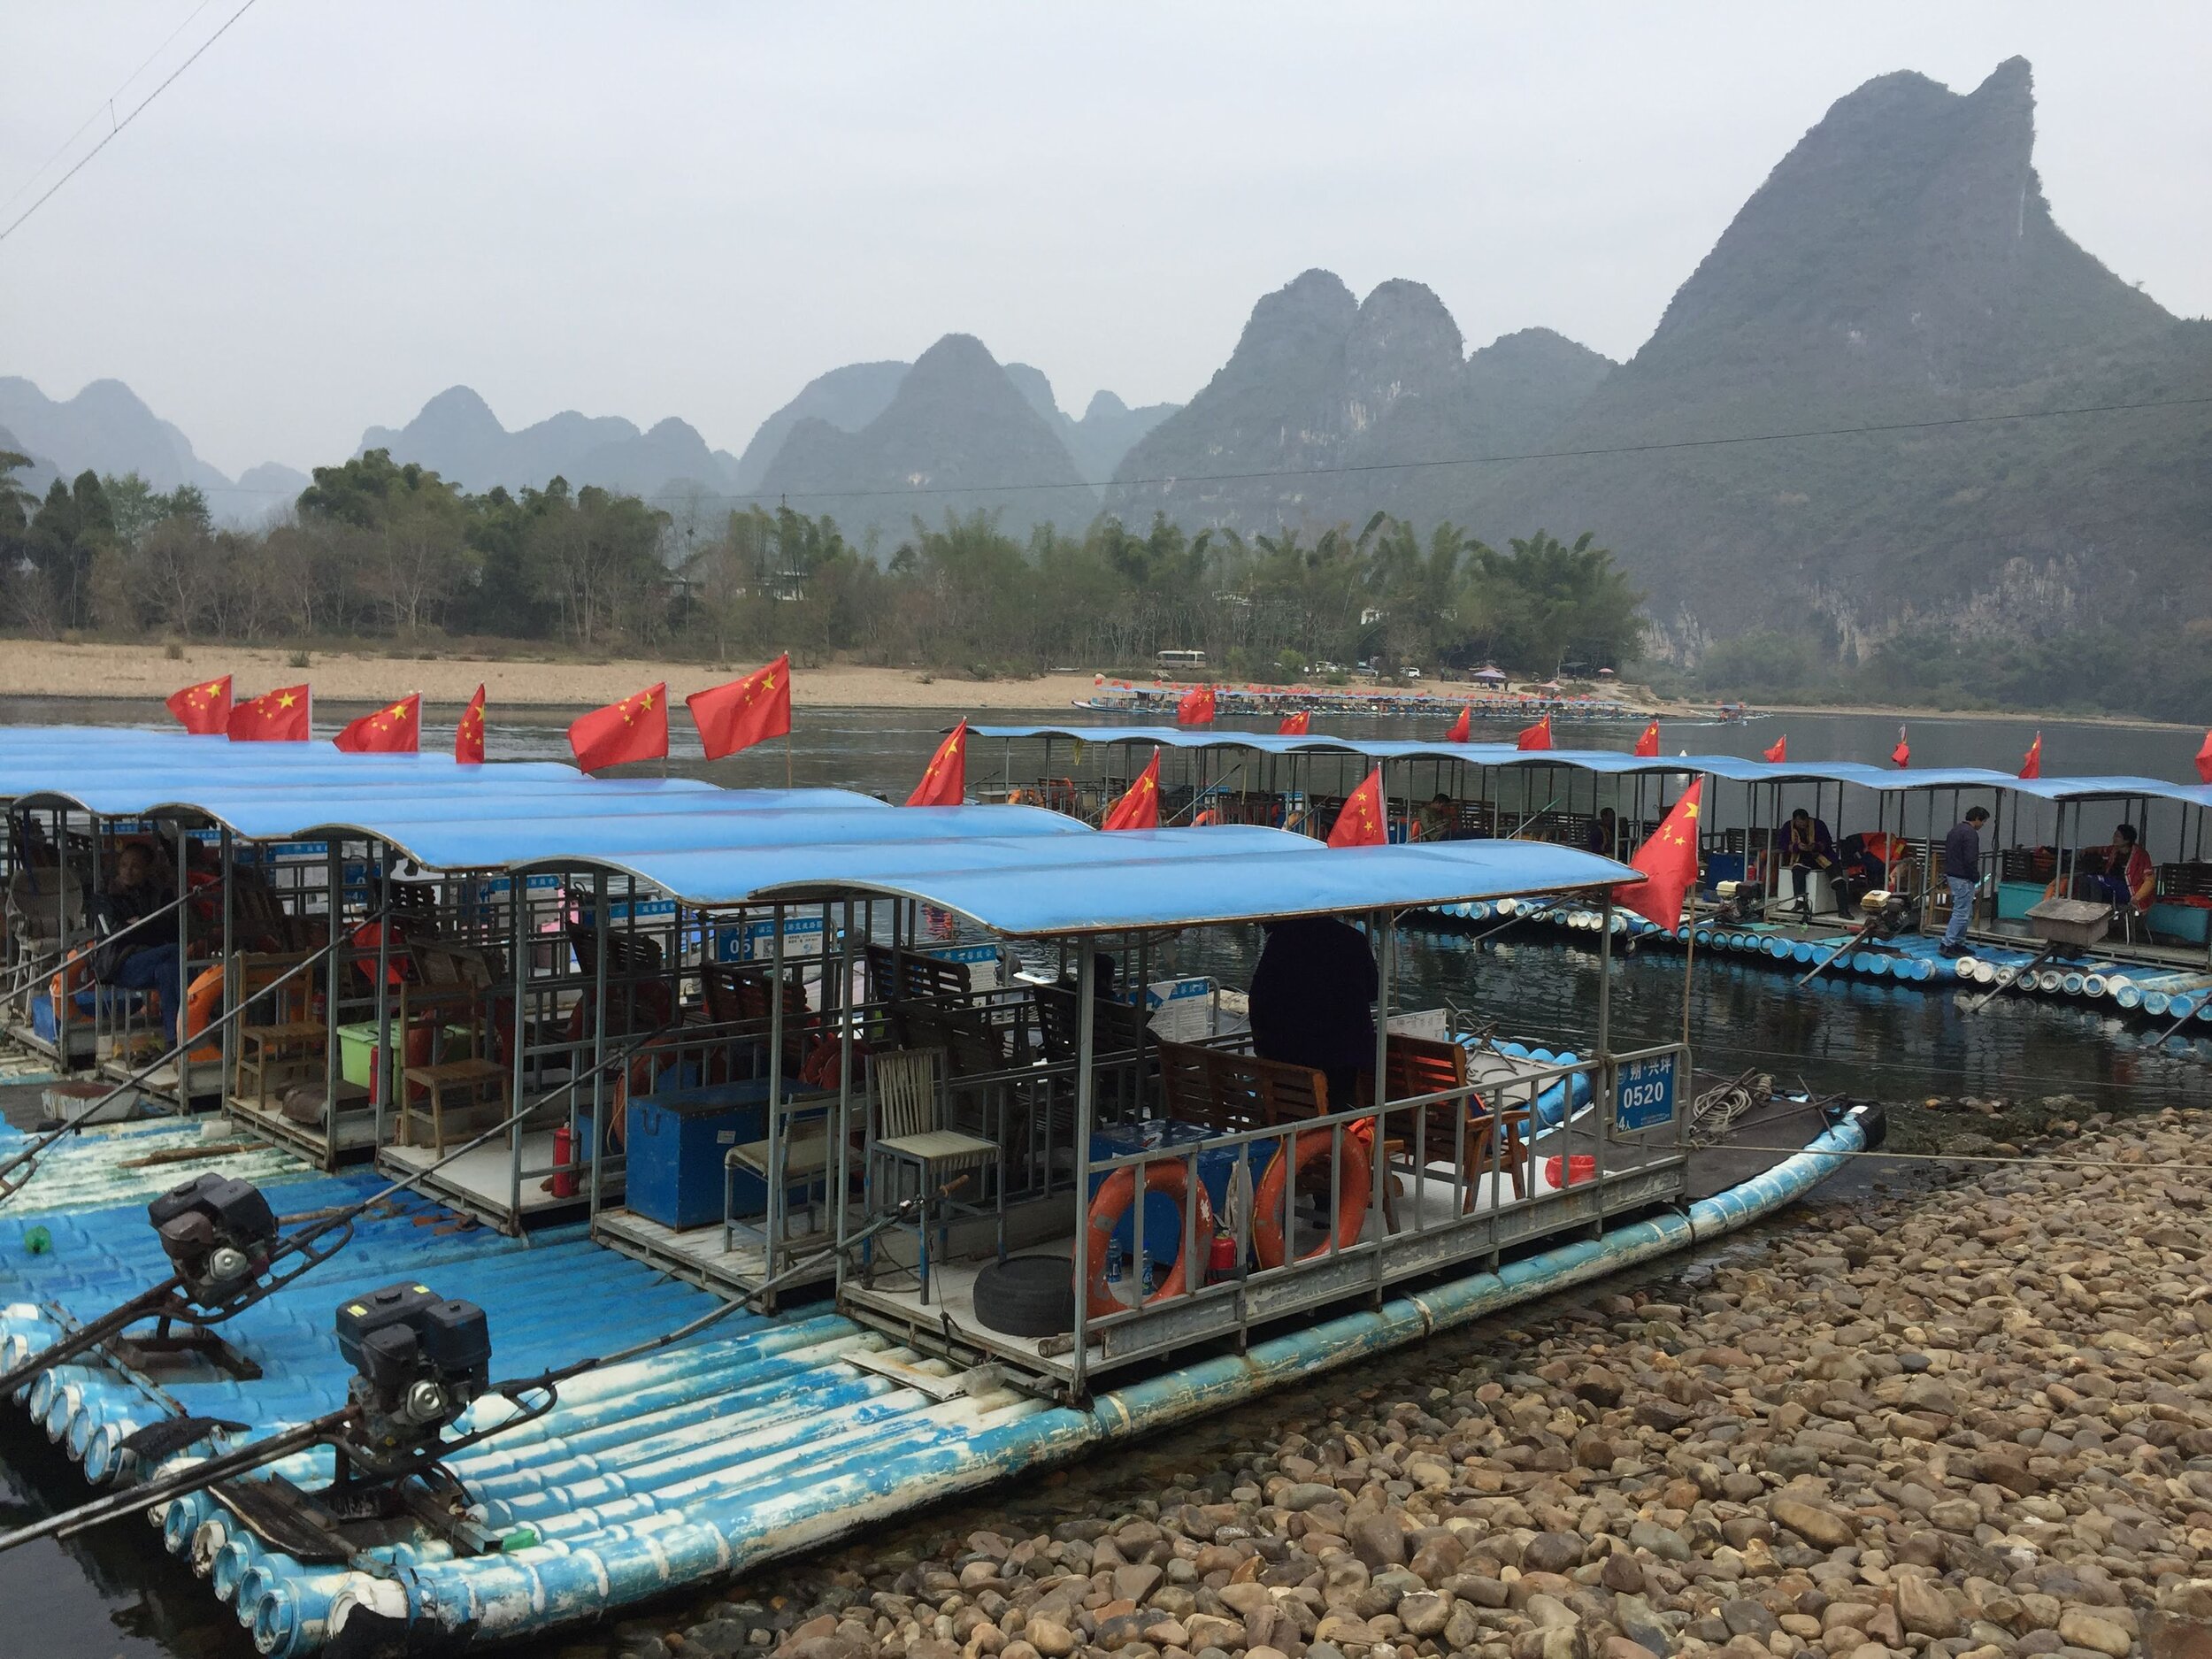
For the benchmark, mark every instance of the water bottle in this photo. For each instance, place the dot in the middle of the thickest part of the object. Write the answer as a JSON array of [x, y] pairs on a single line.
[[1113, 1261], [1144, 1272]]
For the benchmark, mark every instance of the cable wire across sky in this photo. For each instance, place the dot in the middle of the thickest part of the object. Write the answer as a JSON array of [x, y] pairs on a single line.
[[115, 131]]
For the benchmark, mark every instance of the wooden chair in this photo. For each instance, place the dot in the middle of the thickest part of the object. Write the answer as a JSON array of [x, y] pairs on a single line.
[[475, 1076], [1415, 1066], [906, 1090], [285, 1043]]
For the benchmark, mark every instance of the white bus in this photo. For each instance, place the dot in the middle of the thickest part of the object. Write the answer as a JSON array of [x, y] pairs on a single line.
[[1182, 662]]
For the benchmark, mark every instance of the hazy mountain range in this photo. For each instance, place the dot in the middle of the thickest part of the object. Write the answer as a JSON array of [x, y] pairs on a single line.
[[106, 427], [1898, 270]]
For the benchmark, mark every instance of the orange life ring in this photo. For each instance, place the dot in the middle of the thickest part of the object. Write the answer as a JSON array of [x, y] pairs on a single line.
[[202, 1005], [1115, 1195], [1352, 1193], [74, 974]]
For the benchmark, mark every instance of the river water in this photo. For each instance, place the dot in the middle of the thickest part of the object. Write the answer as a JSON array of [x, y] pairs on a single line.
[[118, 1594]]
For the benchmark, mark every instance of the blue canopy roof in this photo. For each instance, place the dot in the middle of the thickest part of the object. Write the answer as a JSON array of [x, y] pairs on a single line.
[[1615, 762], [736, 836], [1093, 881]]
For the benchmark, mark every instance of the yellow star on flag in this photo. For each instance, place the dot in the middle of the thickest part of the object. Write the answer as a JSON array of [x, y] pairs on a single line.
[[285, 699]]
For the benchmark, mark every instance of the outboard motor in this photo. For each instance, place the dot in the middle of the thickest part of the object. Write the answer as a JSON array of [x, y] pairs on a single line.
[[217, 1231], [419, 1361], [1888, 914], [1739, 902]]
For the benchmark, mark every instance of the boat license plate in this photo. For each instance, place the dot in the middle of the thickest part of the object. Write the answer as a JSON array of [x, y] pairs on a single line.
[[1643, 1095]]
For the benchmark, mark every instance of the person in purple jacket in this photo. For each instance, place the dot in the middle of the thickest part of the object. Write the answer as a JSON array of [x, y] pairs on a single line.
[[1807, 844]]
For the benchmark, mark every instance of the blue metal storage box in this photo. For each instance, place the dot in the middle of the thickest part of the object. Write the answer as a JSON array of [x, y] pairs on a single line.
[[675, 1145]]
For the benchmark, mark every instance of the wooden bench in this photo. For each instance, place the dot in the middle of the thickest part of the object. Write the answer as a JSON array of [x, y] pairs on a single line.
[[744, 996], [1228, 1092], [974, 1045], [898, 976]]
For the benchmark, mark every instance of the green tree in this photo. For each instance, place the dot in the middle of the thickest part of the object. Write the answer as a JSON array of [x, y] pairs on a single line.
[[16, 502], [68, 532], [409, 548], [1544, 603]]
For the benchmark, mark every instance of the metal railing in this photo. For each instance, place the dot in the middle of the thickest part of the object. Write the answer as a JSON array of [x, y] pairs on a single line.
[[1451, 1208]]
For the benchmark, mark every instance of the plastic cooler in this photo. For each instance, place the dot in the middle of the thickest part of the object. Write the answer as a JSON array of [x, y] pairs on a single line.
[[357, 1052], [675, 1144]]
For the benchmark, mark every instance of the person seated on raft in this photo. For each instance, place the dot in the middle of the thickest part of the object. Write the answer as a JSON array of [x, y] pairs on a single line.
[[1860, 870], [2129, 879], [1313, 1002], [1437, 821], [1603, 836], [140, 955], [1807, 844]]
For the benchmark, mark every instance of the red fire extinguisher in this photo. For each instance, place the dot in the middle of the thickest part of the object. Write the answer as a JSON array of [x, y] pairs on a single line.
[[564, 1181]]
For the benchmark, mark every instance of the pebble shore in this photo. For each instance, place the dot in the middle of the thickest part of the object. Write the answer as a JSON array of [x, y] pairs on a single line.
[[1976, 1422]]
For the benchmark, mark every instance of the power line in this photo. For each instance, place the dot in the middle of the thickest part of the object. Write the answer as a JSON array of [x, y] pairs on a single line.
[[114, 131], [108, 105], [1354, 468]]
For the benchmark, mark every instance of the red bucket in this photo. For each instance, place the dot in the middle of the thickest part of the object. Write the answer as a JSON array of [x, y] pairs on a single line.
[[1582, 1166]]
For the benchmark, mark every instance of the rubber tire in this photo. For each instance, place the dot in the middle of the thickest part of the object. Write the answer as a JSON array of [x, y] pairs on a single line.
[[1027, 1296]]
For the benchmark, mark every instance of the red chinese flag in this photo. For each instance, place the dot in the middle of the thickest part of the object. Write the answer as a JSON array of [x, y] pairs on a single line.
[[274, 717], [203, 710], [636, 728], [468, 737], [1296, 725], [1669, 861], [1775, 753], [1463, 728], [1647, 745], [1140, 807], [2032, 763], [945, 779], [1537, 736], [1903, 754], [2204, 760], [1361, 822], [394, 731], [745, 711], [1196, 708]]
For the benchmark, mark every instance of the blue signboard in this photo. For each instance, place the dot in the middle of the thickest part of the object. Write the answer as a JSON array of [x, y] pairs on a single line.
[[1643, 1095], [756, 941]]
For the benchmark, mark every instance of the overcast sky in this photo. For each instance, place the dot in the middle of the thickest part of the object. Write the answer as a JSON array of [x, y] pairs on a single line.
[[650, 210]]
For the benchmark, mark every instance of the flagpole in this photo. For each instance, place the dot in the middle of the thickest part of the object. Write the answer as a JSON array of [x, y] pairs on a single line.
[[787, 757], [1689, 928]]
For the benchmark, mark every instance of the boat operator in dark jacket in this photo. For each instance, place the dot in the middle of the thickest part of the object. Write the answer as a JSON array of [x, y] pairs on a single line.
[[1807, 844], [1961, 874], [1312, 999]]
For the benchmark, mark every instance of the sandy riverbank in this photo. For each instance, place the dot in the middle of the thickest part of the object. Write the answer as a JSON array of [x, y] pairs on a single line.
[[35, 668], [31, 668]]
